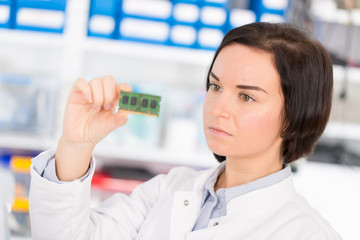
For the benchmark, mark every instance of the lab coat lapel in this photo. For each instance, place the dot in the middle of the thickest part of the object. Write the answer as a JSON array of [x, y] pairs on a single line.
[[186, 207]]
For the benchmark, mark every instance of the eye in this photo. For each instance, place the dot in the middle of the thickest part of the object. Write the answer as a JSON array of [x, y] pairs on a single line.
[[214, 87], [246, 98]]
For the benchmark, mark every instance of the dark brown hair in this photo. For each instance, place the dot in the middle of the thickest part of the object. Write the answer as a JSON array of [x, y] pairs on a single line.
[[305, 70]]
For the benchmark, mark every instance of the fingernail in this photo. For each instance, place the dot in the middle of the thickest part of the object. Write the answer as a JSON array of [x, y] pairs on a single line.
[[108, 106], [97, 108], [90, 98]]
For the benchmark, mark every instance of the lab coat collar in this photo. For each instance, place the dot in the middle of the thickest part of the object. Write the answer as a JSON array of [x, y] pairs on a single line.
[[268, 198], [204, 177], [187, 203]]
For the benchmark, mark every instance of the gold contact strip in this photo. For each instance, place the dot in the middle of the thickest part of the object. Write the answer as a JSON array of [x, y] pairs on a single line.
[[140, 113]]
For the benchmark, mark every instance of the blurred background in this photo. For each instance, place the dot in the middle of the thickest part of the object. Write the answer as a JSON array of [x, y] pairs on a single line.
[[161, 47]]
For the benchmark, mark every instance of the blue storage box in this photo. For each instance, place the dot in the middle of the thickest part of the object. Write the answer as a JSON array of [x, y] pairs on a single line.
[[185, 22], [215, 3], [40, 15], [186, 12], [184, 36], [5, 13], [103, 18], [269, 10], [214, 23], [210, 38], [239, 17], [145, 21], [213, 16]]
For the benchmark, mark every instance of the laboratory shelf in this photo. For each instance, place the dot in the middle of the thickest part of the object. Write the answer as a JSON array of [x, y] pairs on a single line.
[[149, 156], [345, 131], [108, 46], [19, 238], [114, 154], [35, 39], [350, 73], [178, 55], [26, 142]]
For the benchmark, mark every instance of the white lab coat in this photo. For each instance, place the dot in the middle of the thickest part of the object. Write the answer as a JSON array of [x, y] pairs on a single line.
[[166, 207]]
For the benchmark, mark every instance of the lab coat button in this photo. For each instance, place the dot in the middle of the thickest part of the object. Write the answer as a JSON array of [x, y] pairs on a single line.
[[216, 223], [186, 202]]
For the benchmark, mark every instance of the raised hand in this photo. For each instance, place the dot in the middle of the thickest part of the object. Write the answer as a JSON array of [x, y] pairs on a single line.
[[89, 116]]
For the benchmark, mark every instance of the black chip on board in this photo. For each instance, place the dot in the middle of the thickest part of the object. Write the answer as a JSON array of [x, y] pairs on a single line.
[[133, 101], [153, 104], [145, 103], [125, 99]]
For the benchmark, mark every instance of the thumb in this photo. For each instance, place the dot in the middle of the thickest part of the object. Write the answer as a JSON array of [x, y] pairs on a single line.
[[118, 119]]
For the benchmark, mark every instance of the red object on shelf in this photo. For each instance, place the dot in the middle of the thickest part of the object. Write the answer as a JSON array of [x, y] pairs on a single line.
[[106, 182], [353, 63]]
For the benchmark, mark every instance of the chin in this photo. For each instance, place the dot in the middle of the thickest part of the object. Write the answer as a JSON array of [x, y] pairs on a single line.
[[218, 148]]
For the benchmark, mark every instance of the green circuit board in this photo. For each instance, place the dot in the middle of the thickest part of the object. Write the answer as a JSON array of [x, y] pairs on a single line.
[[140, 103]]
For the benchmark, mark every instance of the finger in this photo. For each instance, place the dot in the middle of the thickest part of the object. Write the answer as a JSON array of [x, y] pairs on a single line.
[[83, 86], [97, 93], [123, 87], [109, 92]]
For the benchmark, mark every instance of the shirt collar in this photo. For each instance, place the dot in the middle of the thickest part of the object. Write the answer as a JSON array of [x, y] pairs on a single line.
[[236, 191], [210, 182]]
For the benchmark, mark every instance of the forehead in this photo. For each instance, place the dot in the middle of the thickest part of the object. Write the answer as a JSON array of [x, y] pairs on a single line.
[[240, 64]]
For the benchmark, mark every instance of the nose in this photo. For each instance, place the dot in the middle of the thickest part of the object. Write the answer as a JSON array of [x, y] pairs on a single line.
[[221, 107]]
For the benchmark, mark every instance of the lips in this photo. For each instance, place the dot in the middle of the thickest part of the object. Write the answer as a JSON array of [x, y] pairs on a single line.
[[218, 131]]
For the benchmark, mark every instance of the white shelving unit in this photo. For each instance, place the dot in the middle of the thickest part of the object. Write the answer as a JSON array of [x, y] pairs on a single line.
[[34, 39], [175, 55], [147, 157], [26, 142], [73, 55]]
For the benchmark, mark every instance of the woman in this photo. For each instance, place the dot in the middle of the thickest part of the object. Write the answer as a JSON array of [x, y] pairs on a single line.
[[268, 100]]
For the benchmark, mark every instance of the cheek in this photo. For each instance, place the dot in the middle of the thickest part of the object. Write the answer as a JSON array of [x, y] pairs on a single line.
[[207, 108], [259, 123]]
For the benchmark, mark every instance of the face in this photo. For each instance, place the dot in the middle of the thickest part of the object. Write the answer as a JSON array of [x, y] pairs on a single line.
[[243, 107]]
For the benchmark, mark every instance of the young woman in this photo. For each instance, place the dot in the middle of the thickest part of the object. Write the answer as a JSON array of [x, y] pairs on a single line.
[[268, 100]]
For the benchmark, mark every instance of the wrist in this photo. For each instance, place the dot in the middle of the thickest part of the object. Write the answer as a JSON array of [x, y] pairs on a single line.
[[72, 159], [75, 146]]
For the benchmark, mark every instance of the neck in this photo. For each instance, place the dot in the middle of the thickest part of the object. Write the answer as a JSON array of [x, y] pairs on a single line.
[[239, 171]]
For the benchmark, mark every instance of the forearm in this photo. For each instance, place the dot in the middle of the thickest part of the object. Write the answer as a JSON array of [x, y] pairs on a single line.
[[72, 159], [58, 211]]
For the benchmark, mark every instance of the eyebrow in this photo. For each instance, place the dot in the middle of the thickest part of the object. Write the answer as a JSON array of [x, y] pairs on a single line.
[[240, 86]]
